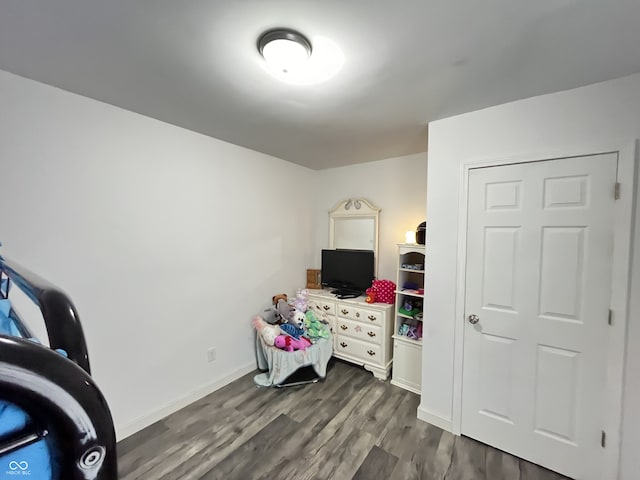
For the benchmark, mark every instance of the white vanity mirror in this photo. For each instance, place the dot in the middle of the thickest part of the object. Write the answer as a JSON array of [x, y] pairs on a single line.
[[353, 224]]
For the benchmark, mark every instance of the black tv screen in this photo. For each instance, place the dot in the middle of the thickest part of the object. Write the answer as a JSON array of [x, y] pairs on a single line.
[[350, 271]]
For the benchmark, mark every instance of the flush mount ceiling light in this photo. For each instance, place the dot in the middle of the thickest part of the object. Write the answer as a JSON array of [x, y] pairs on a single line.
[[289, 56], [284, 50]]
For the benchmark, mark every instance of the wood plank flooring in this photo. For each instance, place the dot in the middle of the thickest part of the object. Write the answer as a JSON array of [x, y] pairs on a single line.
[[349, 426]]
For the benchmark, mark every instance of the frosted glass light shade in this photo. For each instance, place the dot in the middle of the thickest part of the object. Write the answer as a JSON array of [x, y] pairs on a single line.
[[410, 237], [284, 55], [284, 50], [288, 57]]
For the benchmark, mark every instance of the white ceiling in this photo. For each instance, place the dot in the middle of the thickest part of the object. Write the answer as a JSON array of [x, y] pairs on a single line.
[[194, 63]]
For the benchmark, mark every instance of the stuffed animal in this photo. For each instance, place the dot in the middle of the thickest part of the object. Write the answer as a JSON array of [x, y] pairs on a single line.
[[289, 329], [289, 344], [371, 295], [270, 315], [279, 296], [302, 300], [315, 328], [267, 332], [284, 310], [297, 319]]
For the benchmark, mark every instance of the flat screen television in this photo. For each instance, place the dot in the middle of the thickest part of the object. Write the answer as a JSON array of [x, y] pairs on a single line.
[[347, 271]]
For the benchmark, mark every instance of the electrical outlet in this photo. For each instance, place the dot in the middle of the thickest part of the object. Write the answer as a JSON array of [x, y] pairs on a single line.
[[211, 354]]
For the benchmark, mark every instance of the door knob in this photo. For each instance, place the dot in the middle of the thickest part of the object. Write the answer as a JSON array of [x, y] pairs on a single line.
[[473, 319]]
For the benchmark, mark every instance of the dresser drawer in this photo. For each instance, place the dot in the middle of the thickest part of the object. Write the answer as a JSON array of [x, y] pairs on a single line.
[[320, 306], [331, 321], [368, 352], [370, 317], [362, 331]]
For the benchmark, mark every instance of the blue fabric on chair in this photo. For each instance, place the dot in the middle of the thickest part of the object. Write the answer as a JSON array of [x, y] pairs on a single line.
[[34, 460], [12, 418], [7, 325], [5, 306]]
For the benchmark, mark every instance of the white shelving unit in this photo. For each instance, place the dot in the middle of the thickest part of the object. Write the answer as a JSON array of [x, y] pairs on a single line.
[[407, 333]]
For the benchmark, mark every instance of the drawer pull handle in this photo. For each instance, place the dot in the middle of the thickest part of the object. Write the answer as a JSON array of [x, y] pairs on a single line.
[[372, 318], [343, 345], [326, 307], [371, 334], [357, 314], [344, 327], [371, 352], [344, 311]]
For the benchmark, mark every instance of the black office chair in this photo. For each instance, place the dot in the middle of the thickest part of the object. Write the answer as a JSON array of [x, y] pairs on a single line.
[[54, 422]]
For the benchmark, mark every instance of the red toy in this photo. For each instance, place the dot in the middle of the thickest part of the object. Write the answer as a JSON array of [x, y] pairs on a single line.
[[371, 295]]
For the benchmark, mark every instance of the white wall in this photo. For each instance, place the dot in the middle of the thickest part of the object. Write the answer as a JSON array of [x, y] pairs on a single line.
[[603, 113], [396, 185], [166, 240]]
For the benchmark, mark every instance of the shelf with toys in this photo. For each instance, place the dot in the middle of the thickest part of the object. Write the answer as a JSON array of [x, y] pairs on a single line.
[[408, 317], [408, 322]]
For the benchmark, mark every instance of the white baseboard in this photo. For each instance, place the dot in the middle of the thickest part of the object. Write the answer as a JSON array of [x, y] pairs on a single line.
[[433, 419], [123, 431]]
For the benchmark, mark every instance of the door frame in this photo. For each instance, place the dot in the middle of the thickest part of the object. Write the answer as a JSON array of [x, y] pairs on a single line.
[[620, 293]]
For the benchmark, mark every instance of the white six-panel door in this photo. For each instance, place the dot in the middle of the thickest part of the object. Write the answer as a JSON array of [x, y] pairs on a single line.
[[538, 279]]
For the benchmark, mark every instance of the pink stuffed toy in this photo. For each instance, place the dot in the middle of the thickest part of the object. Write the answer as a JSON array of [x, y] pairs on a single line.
[[289, 344]]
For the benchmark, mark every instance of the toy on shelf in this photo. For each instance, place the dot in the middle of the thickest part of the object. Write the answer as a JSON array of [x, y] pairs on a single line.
[[411, 329], [412, 287], [412, 266], [410, 307], [415, 332]]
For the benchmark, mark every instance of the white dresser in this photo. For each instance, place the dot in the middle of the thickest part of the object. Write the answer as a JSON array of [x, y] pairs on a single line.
[[362, 331]]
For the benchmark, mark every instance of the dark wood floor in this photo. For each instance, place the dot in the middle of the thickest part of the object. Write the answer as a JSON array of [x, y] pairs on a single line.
[[351, 426]]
